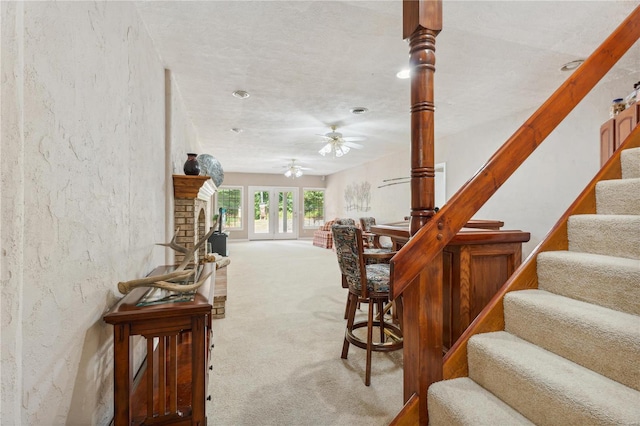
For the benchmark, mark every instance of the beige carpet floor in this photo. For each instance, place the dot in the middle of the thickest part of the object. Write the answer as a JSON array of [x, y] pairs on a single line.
[[277, 360]]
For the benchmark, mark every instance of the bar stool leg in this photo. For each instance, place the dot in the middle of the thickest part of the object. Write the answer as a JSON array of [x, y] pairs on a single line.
[[367, 379], [352, 304], [380, 303]]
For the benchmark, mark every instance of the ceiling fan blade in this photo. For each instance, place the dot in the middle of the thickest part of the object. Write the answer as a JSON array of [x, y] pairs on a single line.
[[354, 139], [353, 145]]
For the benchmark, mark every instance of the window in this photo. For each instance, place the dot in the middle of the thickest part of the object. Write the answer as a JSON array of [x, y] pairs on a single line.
[[313, 208], [231, 199]]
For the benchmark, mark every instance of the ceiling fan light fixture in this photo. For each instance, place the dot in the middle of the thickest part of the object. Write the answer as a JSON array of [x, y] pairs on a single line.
[[335, 148], [342, 150], [293, 171], [325, 150]]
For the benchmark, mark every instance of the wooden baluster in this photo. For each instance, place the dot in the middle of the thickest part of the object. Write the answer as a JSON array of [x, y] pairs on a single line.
[[162, 377], [422, 21], [173, 373], [150, 376]]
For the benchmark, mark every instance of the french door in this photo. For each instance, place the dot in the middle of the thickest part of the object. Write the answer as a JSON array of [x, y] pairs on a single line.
[[273, 213]]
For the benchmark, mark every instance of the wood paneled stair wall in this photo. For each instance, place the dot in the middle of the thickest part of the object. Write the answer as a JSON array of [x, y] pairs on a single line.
[[416, 270]]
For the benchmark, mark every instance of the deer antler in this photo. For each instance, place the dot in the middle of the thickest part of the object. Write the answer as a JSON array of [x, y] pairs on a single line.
[[173, 244], [189, 254], [176, 287], [180, 273], [125, 287]]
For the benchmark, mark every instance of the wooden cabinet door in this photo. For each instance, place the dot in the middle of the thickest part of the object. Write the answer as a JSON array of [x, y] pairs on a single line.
[[607, 140], [626, 121]]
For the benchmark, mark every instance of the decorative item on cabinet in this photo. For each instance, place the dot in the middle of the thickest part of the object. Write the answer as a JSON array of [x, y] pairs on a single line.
[[211, 167], [633, 96], [191, 166], [617, 106]]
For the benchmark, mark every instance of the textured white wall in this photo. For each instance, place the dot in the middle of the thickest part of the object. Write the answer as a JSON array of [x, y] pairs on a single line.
[[181, 138], [388, 204], [11, 210], [82, 198]]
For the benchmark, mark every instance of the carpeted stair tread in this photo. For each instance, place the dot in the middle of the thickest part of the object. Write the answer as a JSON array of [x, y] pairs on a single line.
[[612, 282], [462, 401], [630, 161], [546, 388], [618, 196], [613, 235], [578, 331]]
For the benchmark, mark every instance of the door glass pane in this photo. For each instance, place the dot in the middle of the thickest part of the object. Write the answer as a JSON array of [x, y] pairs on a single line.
[[313, 208], [230, 199], [285, 212], [261, 212]]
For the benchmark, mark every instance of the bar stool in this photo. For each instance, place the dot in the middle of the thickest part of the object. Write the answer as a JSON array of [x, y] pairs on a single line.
[[367, 283]]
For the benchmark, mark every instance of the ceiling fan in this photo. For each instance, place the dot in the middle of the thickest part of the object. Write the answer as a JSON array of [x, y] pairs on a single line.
[[293, 170], [337, 145]]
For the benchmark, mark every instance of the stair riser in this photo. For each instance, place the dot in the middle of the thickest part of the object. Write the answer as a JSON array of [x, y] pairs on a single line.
[[608, 235], [581, 332], [630, 161], [461, 402], [612, 283], [618, 197]]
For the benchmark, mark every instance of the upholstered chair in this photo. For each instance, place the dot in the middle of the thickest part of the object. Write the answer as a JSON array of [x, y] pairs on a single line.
[[367, 283], [372, 240], [322, 237]]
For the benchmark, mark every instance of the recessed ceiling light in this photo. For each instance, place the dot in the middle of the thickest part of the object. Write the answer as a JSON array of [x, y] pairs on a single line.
[[359, 110], [236, 130], [241, 94], [570, 66], [404, 74]]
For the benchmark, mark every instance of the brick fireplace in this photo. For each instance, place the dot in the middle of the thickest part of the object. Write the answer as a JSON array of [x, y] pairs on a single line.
[[190, 213], [191, 197], [190, 217]]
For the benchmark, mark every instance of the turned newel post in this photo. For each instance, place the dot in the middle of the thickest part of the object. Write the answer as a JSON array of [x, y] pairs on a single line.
[[422, 314], [422, 21]]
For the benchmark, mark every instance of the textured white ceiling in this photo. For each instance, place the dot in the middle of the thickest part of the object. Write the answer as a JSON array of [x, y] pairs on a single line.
[[307, 63]]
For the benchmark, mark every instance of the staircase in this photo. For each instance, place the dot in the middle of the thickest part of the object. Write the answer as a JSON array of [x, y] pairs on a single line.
[[570, 350]]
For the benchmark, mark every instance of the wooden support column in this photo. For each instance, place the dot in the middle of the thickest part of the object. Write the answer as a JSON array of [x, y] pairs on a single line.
[[422, 21]]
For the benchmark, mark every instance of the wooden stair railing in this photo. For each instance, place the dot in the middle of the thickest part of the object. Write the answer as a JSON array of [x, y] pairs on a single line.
[[416, 269]]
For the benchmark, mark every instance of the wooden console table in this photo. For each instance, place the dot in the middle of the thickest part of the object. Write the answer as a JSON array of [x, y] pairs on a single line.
[[178, 347], [476, 263]]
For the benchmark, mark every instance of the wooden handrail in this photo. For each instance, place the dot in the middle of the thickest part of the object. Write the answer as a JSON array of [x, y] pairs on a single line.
[[430, 240]]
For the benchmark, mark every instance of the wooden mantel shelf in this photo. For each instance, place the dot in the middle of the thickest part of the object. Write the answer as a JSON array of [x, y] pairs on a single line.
[[185, 186]]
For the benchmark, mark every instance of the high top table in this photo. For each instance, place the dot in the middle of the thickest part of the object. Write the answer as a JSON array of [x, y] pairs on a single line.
[[476, 263]]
